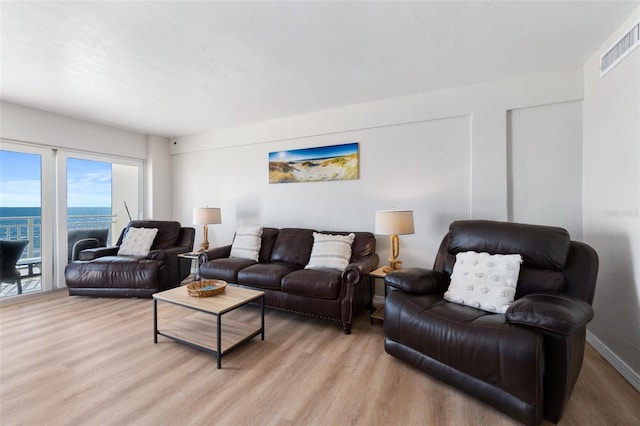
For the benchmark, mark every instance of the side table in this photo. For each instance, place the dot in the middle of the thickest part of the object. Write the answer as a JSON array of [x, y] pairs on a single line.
[[377, 313], [192, 256]]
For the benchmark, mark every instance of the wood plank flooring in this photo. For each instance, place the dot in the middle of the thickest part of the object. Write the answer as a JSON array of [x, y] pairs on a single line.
[[91, 361]]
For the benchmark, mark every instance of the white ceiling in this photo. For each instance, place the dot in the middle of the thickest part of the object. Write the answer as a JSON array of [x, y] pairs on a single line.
[[177, 68]]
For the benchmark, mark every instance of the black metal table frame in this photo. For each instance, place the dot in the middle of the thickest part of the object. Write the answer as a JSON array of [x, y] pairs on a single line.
[[219, 352]]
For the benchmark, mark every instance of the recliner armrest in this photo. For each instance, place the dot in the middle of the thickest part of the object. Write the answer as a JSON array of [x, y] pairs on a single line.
[[83, 244], [556, 313], [355, 270], [90, 254], [417, 280]]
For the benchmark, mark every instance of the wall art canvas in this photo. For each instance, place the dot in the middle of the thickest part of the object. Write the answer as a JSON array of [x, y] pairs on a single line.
[[324, 163]]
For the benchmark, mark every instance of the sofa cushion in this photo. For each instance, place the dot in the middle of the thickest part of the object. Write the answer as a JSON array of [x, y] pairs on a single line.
[[363, 245], [269, 236], [330, 251], [293, 245], [484, 281], [225, 268], [317, 283], [265, 275], [478, 343], [137, 241], [246, 243]]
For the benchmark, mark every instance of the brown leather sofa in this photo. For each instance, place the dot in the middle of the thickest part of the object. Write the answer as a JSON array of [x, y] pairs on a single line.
[[279, 272], [524, 362], [101, 272]]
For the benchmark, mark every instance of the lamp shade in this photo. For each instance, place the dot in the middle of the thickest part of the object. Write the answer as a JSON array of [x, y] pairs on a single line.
[[394, 222], [206, 215]]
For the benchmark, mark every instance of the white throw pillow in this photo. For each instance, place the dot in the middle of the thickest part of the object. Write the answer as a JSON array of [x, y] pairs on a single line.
[[484, 281], [137, 241], [330, 251], [246, 244]]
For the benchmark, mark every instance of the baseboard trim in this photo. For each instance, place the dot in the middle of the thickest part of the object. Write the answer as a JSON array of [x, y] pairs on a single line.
[[619, 365]]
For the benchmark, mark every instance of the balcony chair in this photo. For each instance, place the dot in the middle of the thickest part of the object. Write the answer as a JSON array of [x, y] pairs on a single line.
[[107, 272], [10, 253], [82, 239], [522, 358]]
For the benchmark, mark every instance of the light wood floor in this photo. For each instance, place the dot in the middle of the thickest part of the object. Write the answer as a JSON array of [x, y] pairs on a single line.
[[89, 361]]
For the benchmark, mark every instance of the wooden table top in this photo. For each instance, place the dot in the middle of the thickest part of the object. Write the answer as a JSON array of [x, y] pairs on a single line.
[[218, 304]]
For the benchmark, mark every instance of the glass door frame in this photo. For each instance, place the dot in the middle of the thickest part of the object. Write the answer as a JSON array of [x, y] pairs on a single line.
[[47, 209]]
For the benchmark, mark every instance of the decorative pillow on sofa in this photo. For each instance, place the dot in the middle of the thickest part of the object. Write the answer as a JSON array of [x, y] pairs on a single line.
[[246, 244], [330, 251], [137, 242], [484, 281]]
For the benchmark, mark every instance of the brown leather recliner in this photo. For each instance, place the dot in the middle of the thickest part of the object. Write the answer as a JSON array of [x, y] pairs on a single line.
[[101, 272], [525, 362]]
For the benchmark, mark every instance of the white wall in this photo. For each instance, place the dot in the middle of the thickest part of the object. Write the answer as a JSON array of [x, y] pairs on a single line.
[[35, 127], [158, 177], [544, 159], [611, 203], [30, 125], [443, 154]]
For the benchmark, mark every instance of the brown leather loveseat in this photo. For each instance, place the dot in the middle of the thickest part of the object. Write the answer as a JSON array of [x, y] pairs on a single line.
[[524, 361], [280, 272], [102, 272]]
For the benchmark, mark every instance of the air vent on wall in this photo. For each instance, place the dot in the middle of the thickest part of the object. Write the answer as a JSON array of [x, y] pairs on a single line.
[[620, 49]]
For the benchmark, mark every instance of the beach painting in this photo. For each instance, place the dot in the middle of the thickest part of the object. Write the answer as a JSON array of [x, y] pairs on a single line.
[[325, 163]]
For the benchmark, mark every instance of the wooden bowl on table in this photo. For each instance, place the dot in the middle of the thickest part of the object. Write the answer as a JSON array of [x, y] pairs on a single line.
[[206, 288]]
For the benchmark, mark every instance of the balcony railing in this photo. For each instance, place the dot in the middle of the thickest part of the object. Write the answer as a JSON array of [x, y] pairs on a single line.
[[30, 228]]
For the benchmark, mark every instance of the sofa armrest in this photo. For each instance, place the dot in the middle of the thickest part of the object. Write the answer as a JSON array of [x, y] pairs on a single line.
[[555, 313], [417, 280], [214, 253], [90, 254], [361, 267]]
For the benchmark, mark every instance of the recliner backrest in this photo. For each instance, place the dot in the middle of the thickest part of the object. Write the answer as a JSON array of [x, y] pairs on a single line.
[[545, 252], [168, 232]]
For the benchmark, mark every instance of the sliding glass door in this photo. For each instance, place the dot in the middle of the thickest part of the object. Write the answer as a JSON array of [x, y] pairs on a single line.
[[98, 196], [53, 204], [26, 220]]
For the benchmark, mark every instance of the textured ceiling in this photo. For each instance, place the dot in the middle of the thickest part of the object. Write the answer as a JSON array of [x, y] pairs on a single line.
[[178, 68]]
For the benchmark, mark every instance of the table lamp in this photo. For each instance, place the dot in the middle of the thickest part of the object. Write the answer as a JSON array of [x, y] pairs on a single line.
[[394, 222], [206, 216]]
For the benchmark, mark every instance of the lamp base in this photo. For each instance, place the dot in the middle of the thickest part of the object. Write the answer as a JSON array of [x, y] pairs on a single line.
[[394, 265], [204, 246]]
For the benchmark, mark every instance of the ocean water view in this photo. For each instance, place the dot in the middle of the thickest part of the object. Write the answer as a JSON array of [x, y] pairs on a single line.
[[26, 223]]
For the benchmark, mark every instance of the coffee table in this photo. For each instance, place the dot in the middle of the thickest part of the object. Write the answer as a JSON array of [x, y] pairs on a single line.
[[232, 299]]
